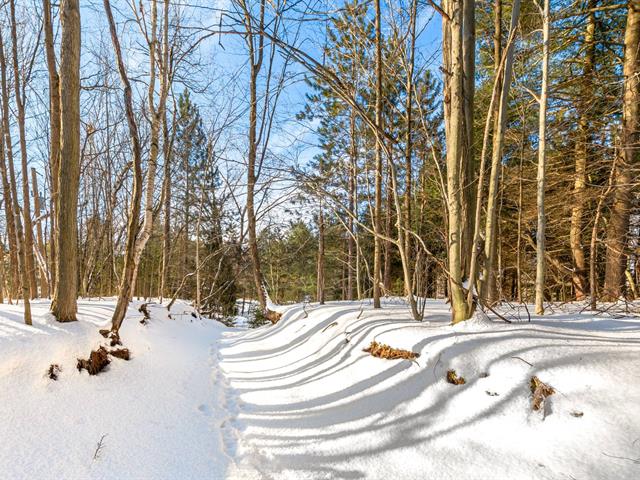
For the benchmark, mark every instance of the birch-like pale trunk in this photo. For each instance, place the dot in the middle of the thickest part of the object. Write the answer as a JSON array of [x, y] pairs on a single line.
[[377, 213], [542, 160]]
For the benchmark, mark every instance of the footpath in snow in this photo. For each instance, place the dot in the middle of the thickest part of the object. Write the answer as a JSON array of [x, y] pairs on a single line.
[[302, 400], [157, 414]]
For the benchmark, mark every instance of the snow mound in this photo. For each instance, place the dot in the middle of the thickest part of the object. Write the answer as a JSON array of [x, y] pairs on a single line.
[[309, 403], [155, 416]]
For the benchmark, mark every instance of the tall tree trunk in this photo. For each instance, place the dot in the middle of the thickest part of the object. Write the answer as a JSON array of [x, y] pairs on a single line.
[[64, 305], [7, 143], [353, 173], [377, 220], [26, 203], [166, 227], [408, 152], [489, 292], [54, 132], [136, 197], [9, 209], [320, 262], [386, 282], [157, 114], [618, 229], [542, 154], [581, 156], [256, 55], [469, 172], [452, 52]]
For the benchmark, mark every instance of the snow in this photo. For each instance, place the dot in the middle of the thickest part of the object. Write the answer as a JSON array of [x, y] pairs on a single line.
[[302, 400], [156, 411]]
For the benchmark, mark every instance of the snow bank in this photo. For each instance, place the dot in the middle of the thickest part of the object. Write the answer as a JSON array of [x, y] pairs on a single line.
[[311, 404], [156, 414]]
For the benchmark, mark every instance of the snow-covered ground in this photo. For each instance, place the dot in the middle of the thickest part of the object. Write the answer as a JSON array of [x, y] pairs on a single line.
[[302, 400]]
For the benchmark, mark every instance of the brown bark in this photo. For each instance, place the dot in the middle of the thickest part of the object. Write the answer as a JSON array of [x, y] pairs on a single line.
[[136, 197], [9, 209], [625, 180], [454, 128], [581, 160], [256, 55], [6, 142], [64, 306], [54, 131], [26, 210]]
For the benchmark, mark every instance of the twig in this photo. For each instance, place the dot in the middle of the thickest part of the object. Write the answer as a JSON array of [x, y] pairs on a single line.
[[522, 359], [99, 447], [634, 460]]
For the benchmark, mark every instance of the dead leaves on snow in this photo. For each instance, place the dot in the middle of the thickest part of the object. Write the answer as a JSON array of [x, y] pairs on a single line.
[[99, 359], [454, 379], [539, 391], [382, 350]]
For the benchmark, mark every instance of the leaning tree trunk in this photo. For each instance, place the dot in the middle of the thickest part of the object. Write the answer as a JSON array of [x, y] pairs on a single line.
[[136, 197], [542, 153], [64, 306], [488, 292], [625, 178]]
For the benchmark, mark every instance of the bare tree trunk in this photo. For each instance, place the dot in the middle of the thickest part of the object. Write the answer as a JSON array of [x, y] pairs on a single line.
[[386, 282], [320, 263], [256, 58], [6, 142], [593, 246], [157, 114], [351, 243], [408, 152], [488, 292], [64, 305], [542, 154], [26, 203], [9, 209], [618, 229], [54, 131], [452, 51], [44, 273], [136, 197], [377, 220], [468, 86], [581, 154], [166, 227]]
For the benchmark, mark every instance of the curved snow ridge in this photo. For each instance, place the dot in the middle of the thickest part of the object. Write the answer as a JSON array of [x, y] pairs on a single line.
[[307, 402]]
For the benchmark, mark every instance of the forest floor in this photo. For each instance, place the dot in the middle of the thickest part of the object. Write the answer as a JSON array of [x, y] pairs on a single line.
[[301, 399]]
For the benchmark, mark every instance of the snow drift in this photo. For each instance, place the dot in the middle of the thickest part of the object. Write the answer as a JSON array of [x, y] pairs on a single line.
[[301, 399]]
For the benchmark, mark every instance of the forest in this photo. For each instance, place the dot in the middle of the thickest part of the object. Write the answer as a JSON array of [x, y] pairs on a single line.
[[260, 163]]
